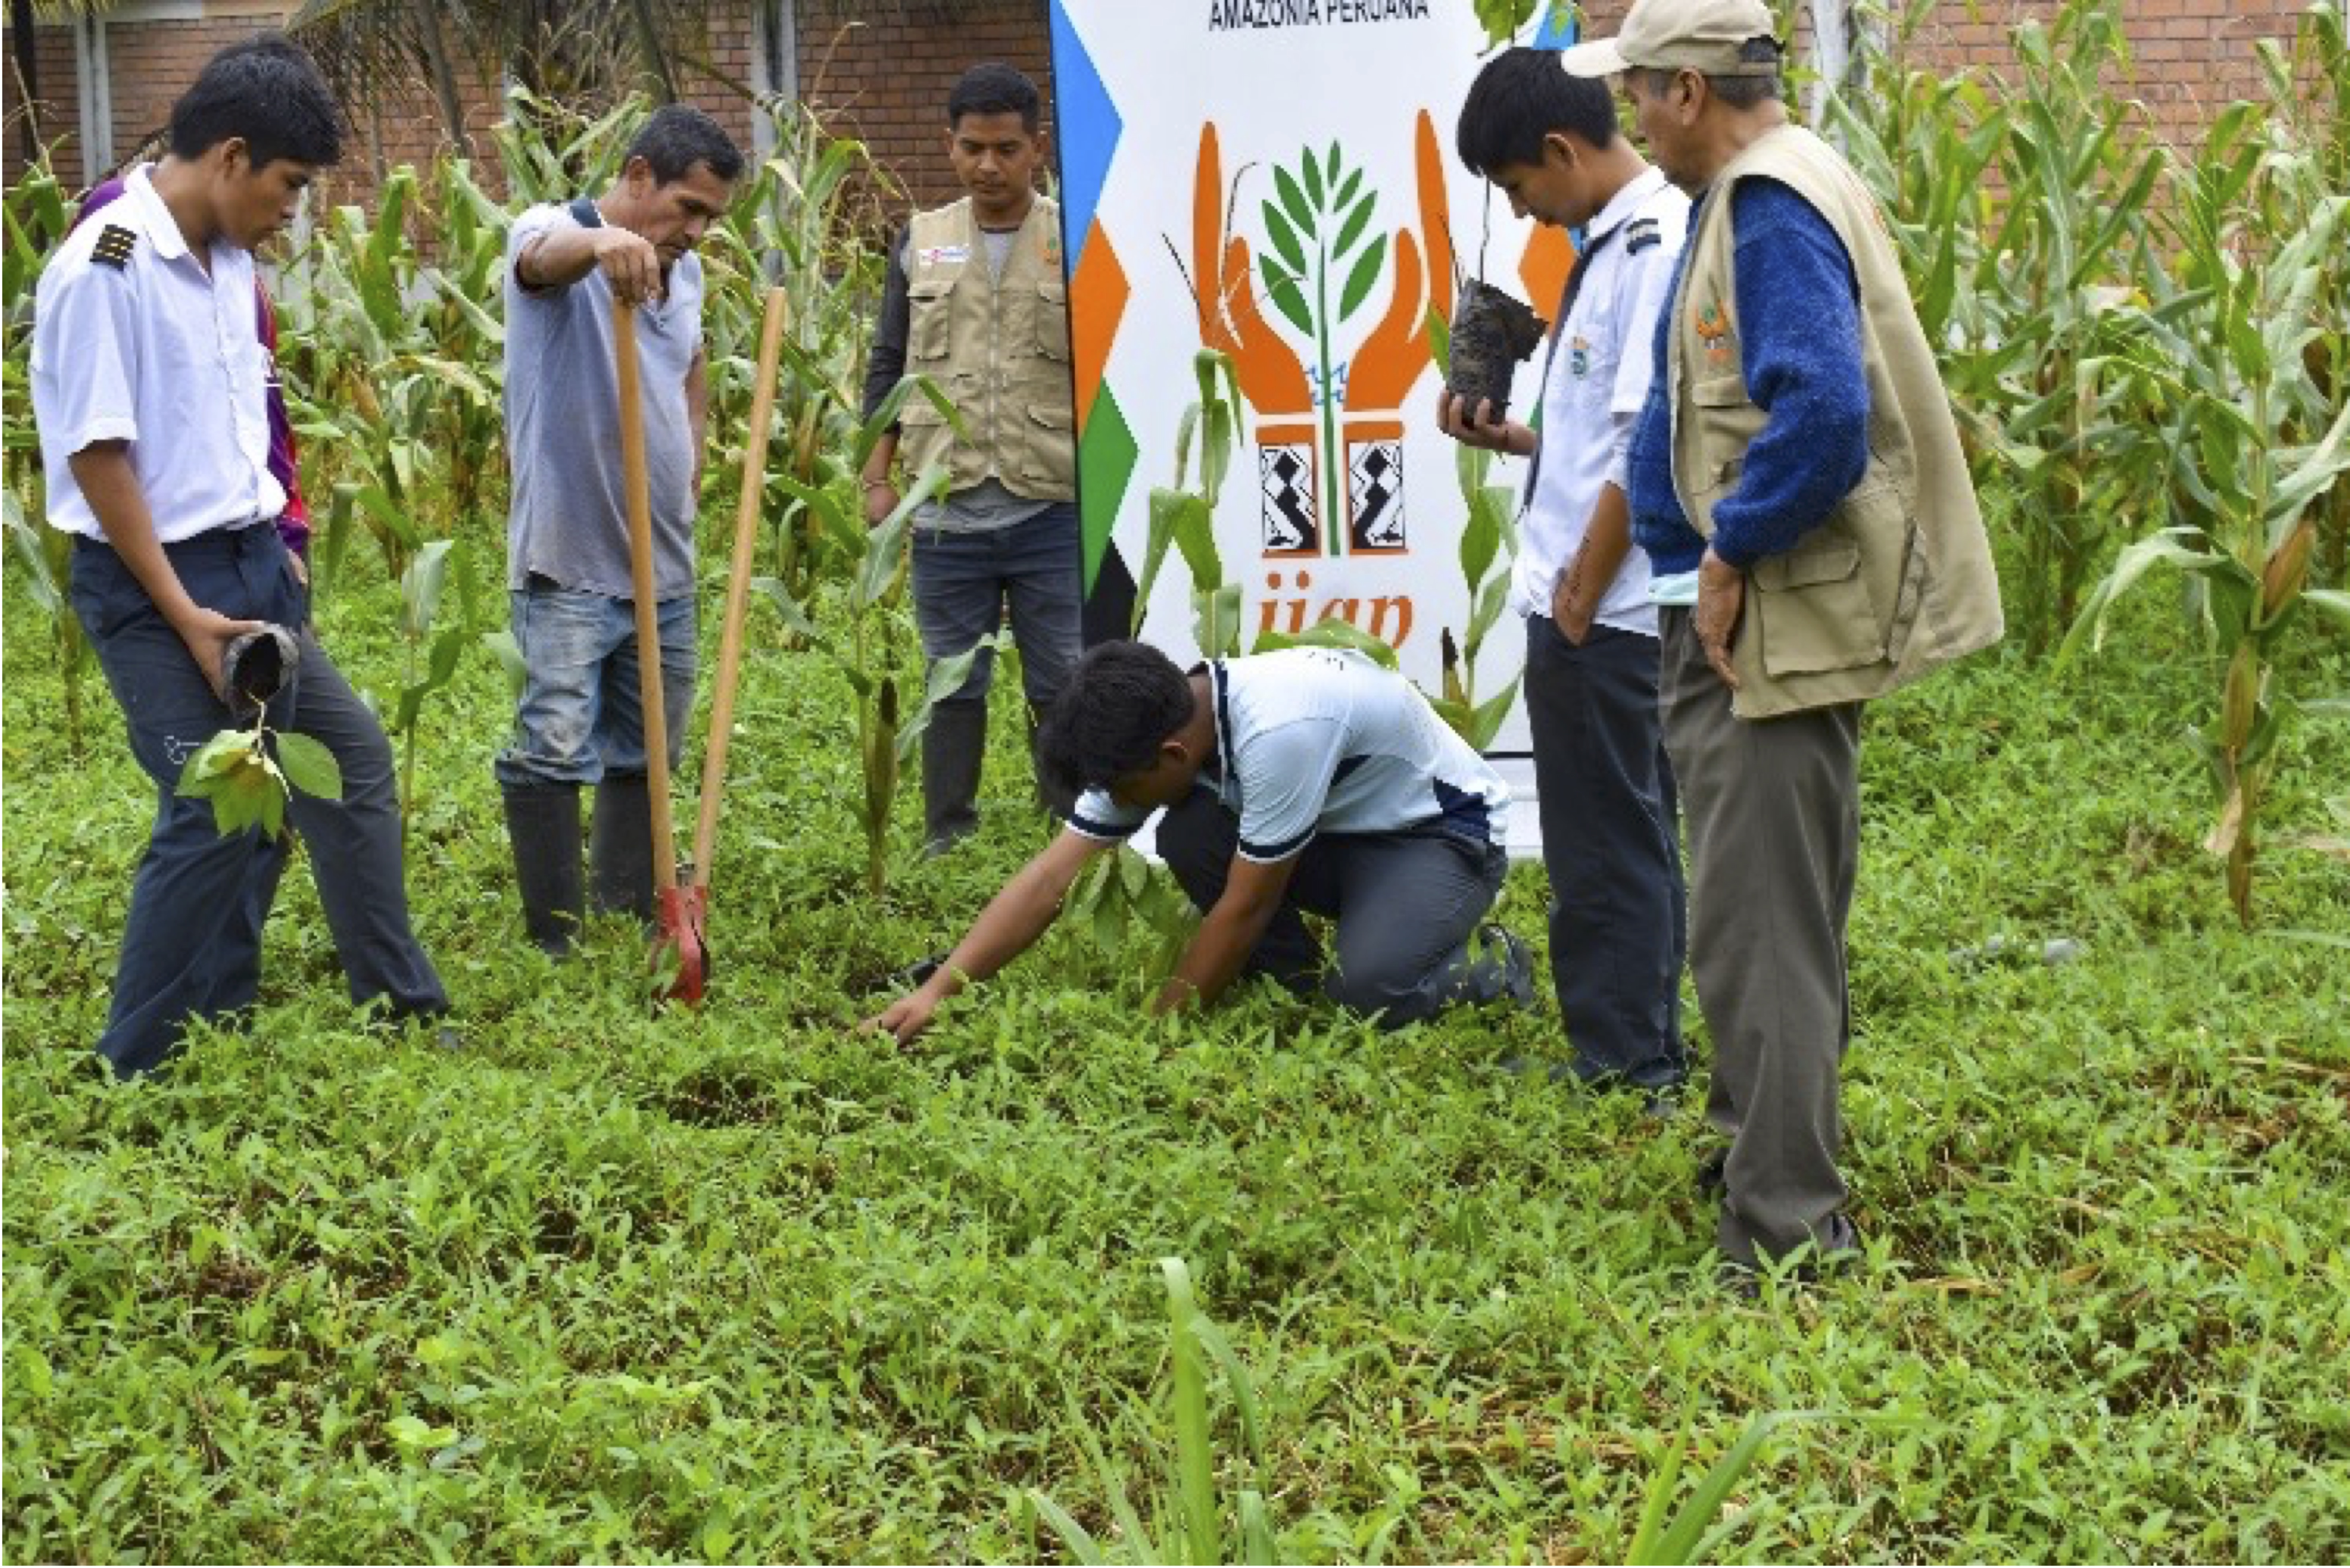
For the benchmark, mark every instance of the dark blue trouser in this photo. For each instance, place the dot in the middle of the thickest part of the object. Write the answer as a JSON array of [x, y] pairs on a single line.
[[963, 583], [192, 943], [1611, 844], [1406, 904]]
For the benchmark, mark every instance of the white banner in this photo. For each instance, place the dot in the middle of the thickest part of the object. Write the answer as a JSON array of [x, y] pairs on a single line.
[[1276, 179]]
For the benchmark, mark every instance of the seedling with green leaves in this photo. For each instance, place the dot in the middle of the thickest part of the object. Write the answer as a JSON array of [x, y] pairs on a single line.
[[251, 787]]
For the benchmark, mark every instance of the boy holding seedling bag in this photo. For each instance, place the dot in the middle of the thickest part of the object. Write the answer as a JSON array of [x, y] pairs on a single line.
[[1611, 838], [976, 301], [150, 387], [573, 600], [1306, 781]]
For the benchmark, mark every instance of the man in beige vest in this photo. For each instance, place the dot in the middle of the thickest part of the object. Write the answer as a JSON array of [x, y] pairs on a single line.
[[976, 300], [1815, 542]]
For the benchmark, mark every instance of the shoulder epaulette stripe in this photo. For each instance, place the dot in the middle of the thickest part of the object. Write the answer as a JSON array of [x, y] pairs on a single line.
[[1639, 235], [113, 248]]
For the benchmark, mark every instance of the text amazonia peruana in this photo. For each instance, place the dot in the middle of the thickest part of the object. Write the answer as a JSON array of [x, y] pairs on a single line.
[[1231, 16]]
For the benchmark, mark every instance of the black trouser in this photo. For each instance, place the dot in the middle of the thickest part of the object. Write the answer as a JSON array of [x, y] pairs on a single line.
[[1406, 904], [1611, 843], [192, 942]]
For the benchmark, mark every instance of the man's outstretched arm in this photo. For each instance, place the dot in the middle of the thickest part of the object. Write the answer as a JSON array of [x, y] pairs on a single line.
[[1008, 927]]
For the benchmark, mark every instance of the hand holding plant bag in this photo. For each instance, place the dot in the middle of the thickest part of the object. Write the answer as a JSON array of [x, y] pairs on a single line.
[[234, 770]]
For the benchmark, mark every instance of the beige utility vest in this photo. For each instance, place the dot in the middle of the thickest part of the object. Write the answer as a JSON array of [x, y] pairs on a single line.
[[999, 347], [1898, 580]]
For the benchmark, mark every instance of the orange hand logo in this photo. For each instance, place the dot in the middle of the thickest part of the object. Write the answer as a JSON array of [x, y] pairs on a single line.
[[1392, 358], [1271, 376]]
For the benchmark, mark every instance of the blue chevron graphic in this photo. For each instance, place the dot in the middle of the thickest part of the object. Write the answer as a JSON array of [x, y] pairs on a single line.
[[1088, 124]]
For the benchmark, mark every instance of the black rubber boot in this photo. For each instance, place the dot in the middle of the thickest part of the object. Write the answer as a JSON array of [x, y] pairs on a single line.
[[953, 747], [620, 846], [1052, 795], [542, 825]]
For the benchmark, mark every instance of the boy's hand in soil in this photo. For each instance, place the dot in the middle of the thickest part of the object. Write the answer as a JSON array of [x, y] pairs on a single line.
[[904, 1018], [1454, 418]]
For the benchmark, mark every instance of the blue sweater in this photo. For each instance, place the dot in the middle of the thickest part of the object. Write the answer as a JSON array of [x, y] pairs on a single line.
[[1798, 324]]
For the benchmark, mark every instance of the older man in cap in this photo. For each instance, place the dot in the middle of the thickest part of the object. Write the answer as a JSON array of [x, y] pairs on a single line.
[[1815, 542]]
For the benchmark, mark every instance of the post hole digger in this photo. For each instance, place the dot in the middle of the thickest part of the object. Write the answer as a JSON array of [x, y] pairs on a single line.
[[682, 914]]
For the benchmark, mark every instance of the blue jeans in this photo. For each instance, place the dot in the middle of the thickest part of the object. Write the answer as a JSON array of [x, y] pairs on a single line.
[[963, 581], [191, 940], [581, 715]]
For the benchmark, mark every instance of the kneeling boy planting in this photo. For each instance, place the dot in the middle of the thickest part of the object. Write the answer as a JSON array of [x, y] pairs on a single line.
[[1307, 780]]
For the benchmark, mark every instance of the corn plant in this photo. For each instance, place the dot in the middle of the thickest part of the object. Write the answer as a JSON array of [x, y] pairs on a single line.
[[1184, 519], [2309, 103], [46, 555], [349, 329], [1695, 1533], [1187, 1524], [2259, 247], [2060, 356], [802, 223], [1925, 141], [1485, 572], [431, 652], [550, 151], [887, 728]]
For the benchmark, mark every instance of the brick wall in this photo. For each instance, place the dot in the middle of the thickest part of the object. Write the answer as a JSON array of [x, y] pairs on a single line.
[[2189, 57], [61, 89], [881, 69], [881, 72]]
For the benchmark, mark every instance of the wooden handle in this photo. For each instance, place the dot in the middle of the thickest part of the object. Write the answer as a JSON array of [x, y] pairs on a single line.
[[637, 491], [738, 582]]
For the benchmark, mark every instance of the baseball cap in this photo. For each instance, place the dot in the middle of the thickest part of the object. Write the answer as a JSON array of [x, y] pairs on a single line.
[[1679, 34]]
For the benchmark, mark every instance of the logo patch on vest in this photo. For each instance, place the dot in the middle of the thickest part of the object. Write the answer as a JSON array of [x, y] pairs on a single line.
[[113, 248], [1578, 355], [943, 255], [1712, 323]]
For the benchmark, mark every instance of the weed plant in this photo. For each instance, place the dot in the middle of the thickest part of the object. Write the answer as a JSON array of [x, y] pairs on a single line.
[[742, 1284]]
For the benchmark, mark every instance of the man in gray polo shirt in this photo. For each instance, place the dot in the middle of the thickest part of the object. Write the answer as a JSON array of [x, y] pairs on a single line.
[[1309, 780], [568, 570]]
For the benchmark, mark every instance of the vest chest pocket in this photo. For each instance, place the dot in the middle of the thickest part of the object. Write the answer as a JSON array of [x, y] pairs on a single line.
[[929, 336], [1817, 608], [1053, 320]]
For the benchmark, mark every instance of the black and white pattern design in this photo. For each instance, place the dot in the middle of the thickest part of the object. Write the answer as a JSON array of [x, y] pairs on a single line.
[[1286, 476], [1375, 491]]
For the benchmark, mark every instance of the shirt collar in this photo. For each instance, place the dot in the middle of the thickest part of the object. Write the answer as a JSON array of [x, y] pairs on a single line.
[[1623, 203], [150, 213]]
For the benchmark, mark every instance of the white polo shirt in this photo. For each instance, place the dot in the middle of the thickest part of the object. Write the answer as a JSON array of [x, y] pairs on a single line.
[[1322, 739], [134, 341], [1598, 379]]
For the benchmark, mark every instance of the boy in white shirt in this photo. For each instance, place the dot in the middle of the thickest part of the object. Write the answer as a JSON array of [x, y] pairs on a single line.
[[150, 388], [1610, 837], [1311, 780]]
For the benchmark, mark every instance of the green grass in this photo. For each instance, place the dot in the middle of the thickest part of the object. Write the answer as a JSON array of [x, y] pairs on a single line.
[[741, 1283]]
